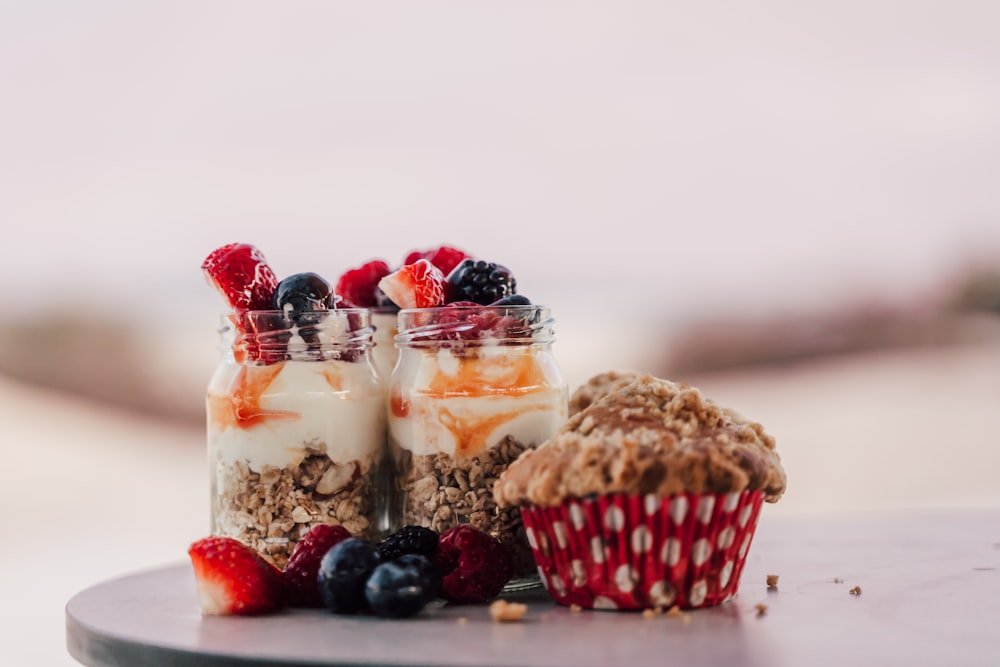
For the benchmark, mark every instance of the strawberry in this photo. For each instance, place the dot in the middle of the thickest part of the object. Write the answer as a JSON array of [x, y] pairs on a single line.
[[300, 572], [358, 287], [242, 275], [417, 285], [444, 257], [233, 579], [476, 566]]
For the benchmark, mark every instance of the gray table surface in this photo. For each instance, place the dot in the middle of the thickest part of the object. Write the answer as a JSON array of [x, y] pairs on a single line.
[[930, 595]]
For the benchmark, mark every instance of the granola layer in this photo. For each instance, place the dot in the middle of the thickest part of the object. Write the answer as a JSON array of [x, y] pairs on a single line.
[[440, 491], [272, 509]]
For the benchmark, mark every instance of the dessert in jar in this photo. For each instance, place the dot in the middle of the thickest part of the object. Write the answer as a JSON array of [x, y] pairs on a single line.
[[296, 412], [474, 387]]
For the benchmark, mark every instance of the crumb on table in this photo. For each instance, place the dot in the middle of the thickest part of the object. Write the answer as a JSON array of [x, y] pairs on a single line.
[[772, 581], [575, 608], [761, 609], [838, 580], [502, 611], [855, 591]]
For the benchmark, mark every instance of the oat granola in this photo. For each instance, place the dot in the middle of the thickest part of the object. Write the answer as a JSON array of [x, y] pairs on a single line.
[[439, 491], [271, 509]]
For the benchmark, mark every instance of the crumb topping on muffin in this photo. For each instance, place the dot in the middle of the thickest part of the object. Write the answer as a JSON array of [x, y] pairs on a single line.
[[650, 436], [598, 387]]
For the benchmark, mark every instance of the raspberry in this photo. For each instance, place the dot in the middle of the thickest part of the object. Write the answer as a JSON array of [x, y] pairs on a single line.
[[417, 285], [358, 287], [479, 281], [476, 566], [444, 257], [302, 568], [408, 540]]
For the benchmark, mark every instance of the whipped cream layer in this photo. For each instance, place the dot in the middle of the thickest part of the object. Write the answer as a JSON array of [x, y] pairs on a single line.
[[463, 405], [271, 415]]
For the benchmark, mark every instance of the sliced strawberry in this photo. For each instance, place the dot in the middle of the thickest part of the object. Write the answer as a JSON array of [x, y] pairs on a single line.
[[417, 285], [300, 572], [233, 579], [242, 275], [444, 257], [359, 286]]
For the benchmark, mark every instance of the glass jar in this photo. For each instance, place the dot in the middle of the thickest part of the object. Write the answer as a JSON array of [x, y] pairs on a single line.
[[385, 353], [296, 428], [474, 387]]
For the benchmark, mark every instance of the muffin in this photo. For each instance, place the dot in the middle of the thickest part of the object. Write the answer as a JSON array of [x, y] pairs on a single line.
[[647, 497]]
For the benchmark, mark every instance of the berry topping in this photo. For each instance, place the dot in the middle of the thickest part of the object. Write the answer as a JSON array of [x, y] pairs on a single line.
[[342, 575], [300, 293], [512, 300], [359, 286], [417, 285], [444, 258], [242, 275], [479, 281], [300, 573], [232, 578], [476, 566], [408, 540], [401, 587]]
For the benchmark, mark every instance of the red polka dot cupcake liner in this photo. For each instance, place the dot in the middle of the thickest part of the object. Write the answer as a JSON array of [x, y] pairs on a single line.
[[642, 552]]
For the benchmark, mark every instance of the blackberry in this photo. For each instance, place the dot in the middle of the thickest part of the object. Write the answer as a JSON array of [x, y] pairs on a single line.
[[480, 282], [407, 540]]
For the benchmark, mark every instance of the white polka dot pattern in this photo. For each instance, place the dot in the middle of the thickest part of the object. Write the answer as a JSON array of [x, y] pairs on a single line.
[[559, 528], [532, 541], [705, 507], [700, 552], [597, 549], [618, 552], [625, 578], [602, 602], [698, 592], [642, 540], [662, 594], [614, 518], [732, 502], [679, 509], [725, 574], [652, 504], [671, 552]]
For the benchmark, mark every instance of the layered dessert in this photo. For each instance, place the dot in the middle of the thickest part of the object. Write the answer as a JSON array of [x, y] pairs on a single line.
[[475, 385], [296, 412]]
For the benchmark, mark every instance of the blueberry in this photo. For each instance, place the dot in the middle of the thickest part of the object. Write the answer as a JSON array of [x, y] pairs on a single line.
[[512, 300], [301, 292], [401, 587], [304, 298], [408, 540], [342, 574]]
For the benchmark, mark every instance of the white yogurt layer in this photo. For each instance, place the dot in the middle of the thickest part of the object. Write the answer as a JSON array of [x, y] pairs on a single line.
[[465, 406], [335, 407]]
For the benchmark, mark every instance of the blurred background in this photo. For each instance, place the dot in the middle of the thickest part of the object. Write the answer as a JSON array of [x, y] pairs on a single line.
[[791, 205]]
